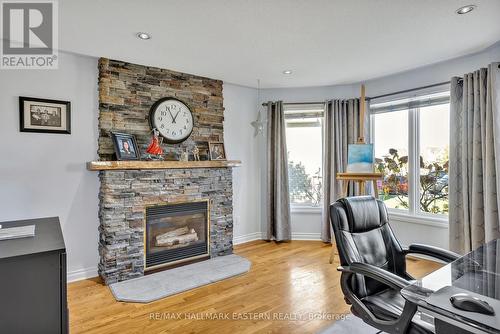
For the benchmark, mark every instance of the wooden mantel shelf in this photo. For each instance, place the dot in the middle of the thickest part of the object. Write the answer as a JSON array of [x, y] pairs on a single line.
[[126, 165]]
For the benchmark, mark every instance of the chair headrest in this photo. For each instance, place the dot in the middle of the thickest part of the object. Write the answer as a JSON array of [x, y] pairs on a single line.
[[364, 213]]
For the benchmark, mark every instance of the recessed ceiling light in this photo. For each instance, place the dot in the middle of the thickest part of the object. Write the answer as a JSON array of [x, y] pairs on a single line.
[[465, 9], [143, 35], [287, 72]]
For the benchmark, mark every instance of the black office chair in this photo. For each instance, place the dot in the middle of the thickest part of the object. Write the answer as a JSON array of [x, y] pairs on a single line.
[[373, 265]]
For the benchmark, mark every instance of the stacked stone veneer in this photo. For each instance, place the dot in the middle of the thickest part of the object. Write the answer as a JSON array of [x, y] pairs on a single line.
[[126, 93], [124, 196]]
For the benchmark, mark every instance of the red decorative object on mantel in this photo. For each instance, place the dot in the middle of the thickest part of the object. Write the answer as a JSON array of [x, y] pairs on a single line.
[[154, 147]]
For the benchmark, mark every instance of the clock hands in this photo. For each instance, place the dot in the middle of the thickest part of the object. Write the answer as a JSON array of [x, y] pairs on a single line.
[[173, 120]]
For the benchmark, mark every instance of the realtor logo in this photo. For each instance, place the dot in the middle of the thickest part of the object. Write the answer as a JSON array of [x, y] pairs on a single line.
[[29, 35]]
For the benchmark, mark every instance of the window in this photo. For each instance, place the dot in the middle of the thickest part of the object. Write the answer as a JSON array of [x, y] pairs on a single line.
[[434, 146], [304, 140], [391, 157], [411, 139]]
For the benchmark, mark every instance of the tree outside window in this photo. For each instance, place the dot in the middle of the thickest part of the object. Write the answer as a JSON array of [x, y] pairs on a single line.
[[304, 140], [433, 196], [394, 147]]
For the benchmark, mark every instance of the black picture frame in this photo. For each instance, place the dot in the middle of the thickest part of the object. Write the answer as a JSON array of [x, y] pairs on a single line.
[[58, 120], [118, 137], [211, 154]]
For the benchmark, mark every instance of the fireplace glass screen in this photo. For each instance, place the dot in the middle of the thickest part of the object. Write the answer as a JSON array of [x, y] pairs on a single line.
[[176, 232]]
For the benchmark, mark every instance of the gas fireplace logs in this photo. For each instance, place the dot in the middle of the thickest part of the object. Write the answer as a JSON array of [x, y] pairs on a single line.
[[177, 237]]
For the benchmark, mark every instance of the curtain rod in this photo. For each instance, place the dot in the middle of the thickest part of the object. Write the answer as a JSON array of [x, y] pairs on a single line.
[[374, 97], [296, 103], [409, 90], [304, 103]]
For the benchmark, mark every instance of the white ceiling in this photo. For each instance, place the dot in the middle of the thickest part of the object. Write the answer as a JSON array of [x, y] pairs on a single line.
[[324, 42]]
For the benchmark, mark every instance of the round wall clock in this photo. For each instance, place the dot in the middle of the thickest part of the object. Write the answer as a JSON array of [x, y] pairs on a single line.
[[172, 118]]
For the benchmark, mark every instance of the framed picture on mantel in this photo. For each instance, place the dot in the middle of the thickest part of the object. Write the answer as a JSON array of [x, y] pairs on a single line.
[[216, 151], [125, 146], [45, 116]]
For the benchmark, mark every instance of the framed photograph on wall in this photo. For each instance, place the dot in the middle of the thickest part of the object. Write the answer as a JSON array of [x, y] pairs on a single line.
[[44, 116], [216, 151], [125, 146]]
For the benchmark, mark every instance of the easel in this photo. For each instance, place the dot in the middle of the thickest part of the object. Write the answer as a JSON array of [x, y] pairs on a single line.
[[360, 178]]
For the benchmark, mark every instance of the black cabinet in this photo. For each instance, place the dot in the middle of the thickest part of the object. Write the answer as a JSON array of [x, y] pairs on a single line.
[[33, 280]]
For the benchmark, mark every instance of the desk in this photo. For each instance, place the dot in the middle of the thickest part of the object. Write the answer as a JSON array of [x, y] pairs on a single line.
[[33, 280], [478, 273]]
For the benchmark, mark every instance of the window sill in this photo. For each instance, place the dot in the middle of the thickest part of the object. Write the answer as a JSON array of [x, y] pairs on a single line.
[[305, 209], [441, 222]]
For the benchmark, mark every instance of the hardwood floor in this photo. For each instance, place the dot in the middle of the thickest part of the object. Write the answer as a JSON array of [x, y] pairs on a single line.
[[287, 284]]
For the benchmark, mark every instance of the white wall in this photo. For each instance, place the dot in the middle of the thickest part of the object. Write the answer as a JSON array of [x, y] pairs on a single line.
[[44, 175], [309, 94], [240, 105], [307, 224], [432, 74]]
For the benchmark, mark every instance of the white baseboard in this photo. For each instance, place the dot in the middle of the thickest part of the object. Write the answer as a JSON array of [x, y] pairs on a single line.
[[85, 273], [81, 274], [306, 236], [247, 238], [260, 236]]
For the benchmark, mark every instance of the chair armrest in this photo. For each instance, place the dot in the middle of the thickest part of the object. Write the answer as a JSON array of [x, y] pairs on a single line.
[[381, 275], [436, 252]]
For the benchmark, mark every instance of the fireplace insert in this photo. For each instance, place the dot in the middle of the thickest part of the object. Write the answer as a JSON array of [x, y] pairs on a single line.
[[176, 232]]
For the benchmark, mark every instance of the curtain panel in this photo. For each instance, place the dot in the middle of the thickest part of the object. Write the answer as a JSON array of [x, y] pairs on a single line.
[[341, 128], [474, 187], [278, 196]]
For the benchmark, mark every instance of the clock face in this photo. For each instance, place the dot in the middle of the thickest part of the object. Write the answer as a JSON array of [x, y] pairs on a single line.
[[173, 119]]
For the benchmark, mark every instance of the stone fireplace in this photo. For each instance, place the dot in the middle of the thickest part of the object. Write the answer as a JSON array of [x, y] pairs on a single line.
[[166, 202], [176, 232], [158, 213]]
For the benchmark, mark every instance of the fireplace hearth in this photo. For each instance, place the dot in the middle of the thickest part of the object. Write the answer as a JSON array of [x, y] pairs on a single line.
[[176, 232]]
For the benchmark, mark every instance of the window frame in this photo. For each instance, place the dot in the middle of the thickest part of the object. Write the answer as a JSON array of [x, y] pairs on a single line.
[[313, 108], [414, 214]]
